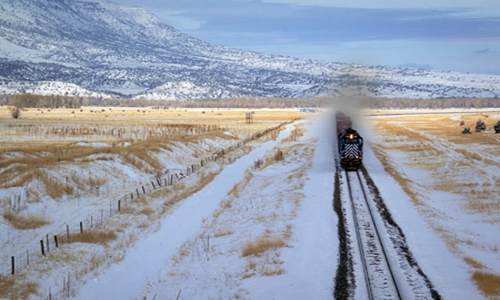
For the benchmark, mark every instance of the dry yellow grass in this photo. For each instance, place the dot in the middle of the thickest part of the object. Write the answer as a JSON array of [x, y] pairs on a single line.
[[242, 206], [25, 222], [296, 133], [223, 231], [488, 283], [147, 210], [262, 245], [32, 145], [35, 146], [7, 284], [93, 237], [430, 143], [11, 289], [403, 181], [473, 263], [455, 163], [148, 115]]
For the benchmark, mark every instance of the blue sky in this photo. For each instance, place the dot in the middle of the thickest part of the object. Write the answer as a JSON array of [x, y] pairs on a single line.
[[459, 35]]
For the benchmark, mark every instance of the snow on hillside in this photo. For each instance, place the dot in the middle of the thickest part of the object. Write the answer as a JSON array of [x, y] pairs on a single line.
[[47, 88], [103, 47]]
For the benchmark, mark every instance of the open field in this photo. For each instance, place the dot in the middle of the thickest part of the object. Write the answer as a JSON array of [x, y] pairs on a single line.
[[65, 166], [453, 180], [492, 112], [244, 225], [116, 124]]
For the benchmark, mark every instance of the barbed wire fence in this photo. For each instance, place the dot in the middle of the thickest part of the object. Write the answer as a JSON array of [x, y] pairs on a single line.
[[116, 202], [51, 242]]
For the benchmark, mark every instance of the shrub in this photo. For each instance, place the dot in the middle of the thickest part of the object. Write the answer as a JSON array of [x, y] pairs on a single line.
[[15, 112]]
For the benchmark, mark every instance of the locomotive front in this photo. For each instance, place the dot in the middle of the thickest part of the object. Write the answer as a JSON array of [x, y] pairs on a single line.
[[350, 144]]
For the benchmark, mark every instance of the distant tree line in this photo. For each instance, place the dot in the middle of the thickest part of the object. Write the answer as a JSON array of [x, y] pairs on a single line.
[[378, 103], [54, 101], [40, 101]]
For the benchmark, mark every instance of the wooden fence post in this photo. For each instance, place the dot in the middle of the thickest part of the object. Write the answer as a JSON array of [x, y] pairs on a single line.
[[153, 184], [143, 190], [43, 250], [13, 265], [119, 204], [28, 257], [81, 228], [67, 232], [55, 240], [159, 181], [137, 190], [48, 249]]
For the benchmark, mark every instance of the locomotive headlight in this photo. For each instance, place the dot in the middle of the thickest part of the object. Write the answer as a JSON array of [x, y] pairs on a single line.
[[351, 136]]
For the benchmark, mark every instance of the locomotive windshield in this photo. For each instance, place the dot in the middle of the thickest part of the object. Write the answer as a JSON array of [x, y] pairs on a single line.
[[355, 141]]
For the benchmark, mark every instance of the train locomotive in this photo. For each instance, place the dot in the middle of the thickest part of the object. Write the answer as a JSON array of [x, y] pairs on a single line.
[[350, 144]]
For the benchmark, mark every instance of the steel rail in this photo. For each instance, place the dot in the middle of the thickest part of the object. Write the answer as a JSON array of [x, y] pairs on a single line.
[[360, 242], [382, 246], [363, 253]]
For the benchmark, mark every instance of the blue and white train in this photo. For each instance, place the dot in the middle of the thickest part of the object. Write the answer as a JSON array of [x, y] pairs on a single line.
[[350, 144]]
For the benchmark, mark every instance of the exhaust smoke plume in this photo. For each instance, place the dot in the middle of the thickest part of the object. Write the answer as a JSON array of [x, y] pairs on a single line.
[[352, 96]]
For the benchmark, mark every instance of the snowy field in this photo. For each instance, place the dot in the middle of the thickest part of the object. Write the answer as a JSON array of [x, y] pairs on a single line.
[[259, 224], [448, 195]]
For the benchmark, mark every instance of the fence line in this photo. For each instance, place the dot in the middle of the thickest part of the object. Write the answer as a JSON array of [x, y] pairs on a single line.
[[51, 242]]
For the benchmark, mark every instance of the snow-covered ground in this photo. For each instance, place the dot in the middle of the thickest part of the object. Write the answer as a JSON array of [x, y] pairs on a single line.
[[449, 273], [198, 250], [195, 264], [202, 259]]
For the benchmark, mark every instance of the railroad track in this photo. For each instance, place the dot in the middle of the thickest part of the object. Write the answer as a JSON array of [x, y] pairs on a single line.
[[379, 278], [383, 267]]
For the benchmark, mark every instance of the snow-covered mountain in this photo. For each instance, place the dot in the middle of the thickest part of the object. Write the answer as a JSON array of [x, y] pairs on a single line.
[[99, 48]]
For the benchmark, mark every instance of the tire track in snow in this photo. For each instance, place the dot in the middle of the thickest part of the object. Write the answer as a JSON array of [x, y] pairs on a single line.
[[127, 279]]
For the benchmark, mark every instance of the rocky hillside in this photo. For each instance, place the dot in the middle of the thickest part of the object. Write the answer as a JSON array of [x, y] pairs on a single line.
[[98, 48]]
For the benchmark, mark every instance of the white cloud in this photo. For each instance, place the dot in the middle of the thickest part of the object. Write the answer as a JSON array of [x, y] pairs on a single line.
[[476, 7], [178, 19]]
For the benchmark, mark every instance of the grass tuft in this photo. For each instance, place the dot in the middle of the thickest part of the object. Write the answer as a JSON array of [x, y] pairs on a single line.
[[261, 245], [25, 222], [488, 283], [93, 237], [9, 289]]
